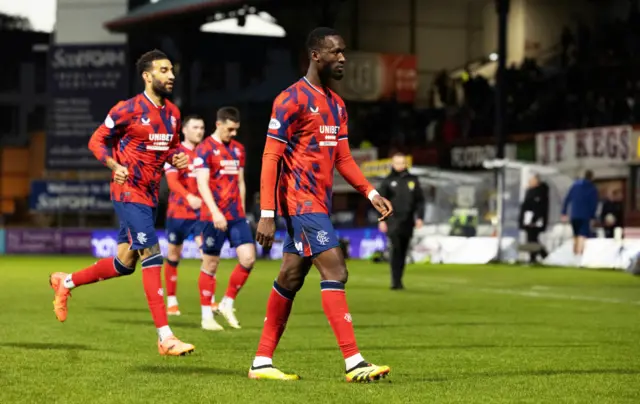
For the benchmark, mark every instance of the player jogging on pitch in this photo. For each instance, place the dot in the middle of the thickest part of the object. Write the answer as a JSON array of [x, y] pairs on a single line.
[[136, 139], [308, 132], [220, 174], [183, 213]]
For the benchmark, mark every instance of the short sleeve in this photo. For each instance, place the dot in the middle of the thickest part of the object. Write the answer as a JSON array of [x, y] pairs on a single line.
[[201, 162], [283, 117]]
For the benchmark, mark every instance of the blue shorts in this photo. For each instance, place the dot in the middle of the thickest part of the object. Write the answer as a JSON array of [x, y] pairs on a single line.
[[137, 225], [309, 234], [178, 230], [238, 233], [581, 227]]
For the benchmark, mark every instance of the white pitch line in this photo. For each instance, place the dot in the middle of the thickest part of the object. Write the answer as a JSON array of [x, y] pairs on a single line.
[[462, 283], [549, 295]]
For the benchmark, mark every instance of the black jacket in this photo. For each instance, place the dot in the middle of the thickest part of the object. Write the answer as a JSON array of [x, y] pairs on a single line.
[[404, 192], [536, 200], [614, 208]]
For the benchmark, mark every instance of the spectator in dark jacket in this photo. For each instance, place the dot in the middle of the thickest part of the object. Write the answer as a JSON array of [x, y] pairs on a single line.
[[582, 200], [611, 215], [534, 214]]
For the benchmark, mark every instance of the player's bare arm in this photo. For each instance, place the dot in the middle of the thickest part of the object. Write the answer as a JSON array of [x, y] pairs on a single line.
[[219, 221]]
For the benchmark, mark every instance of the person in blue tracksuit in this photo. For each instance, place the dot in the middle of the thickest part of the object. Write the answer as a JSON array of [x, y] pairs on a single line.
[[582, 201]]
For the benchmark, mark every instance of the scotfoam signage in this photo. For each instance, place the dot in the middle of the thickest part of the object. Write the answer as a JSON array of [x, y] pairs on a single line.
[[473, 157], [84, 82], [70, 196]]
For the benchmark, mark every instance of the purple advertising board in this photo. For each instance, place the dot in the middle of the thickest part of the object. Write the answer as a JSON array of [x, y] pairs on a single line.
[[362, 244], [48, 241]]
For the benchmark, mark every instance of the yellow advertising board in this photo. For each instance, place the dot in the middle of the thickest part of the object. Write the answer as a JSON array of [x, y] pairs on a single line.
[[380, 168]]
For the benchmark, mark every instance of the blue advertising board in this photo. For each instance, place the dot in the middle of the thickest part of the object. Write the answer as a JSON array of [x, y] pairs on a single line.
[[70, 196], [84, 82]]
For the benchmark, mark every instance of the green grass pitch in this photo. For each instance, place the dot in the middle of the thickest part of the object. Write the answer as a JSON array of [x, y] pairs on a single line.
[[458, 334]]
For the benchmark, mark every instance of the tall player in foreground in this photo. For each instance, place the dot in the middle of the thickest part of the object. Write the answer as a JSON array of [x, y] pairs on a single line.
[[136, 139], [183, 213], [220, 173], [308, 132]]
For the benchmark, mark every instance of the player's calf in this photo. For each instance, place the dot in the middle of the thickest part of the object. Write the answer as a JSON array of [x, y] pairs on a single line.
[[290, 279], [334, 273], [62, 283], [152, 281], [171, 282], [207, 290], [237, 280]]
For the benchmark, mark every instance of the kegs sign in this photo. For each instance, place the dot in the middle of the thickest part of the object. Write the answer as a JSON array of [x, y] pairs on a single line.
[[589, 147], [379, 76], [472, 157]]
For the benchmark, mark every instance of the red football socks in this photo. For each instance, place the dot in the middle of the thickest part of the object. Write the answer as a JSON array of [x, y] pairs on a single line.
[[334, 304], [152, 281], [207, 286], [278, 310], [171, 277], [237, 280], [101, 270]]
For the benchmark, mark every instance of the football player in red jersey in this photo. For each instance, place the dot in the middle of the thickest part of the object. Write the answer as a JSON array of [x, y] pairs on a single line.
[[308, 134], [183, 213], [136, 139], [220, 173]]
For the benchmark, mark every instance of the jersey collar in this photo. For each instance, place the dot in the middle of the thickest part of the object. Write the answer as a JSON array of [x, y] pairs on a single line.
[[313, 87], [187, 146], [151, 101]]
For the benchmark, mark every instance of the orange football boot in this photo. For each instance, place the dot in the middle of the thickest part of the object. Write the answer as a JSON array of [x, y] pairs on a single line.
[[60, 295], [172, 346]]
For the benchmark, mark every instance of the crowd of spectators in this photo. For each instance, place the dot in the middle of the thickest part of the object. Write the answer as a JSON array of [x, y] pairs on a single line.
[[593, 80]]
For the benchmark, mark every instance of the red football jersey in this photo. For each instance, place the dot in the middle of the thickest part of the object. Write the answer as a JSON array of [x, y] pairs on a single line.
[[182, 183], [312, 123], [224, 162], [140, 136]]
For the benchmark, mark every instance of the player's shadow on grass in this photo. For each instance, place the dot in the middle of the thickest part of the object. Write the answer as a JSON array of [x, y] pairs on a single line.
[[190, 370], [45, 346], [121, 309], [180, 324], [413, 347], [520, 373], [409, 325]]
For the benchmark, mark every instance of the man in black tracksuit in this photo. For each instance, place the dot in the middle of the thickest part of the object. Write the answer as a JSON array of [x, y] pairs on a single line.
[[534, 214], [404, 192]]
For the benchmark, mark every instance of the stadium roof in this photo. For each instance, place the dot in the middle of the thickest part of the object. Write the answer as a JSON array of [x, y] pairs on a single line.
[[169, 10]]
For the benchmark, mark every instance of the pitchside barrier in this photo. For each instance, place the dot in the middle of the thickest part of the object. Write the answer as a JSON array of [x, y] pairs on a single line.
[[431, 243]]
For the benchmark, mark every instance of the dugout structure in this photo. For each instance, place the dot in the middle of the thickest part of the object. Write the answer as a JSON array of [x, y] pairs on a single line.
[[511, 181]]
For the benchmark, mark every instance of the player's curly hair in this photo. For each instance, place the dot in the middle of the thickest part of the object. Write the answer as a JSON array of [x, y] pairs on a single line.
[[145, 62], [228, 114], [315, 39]]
